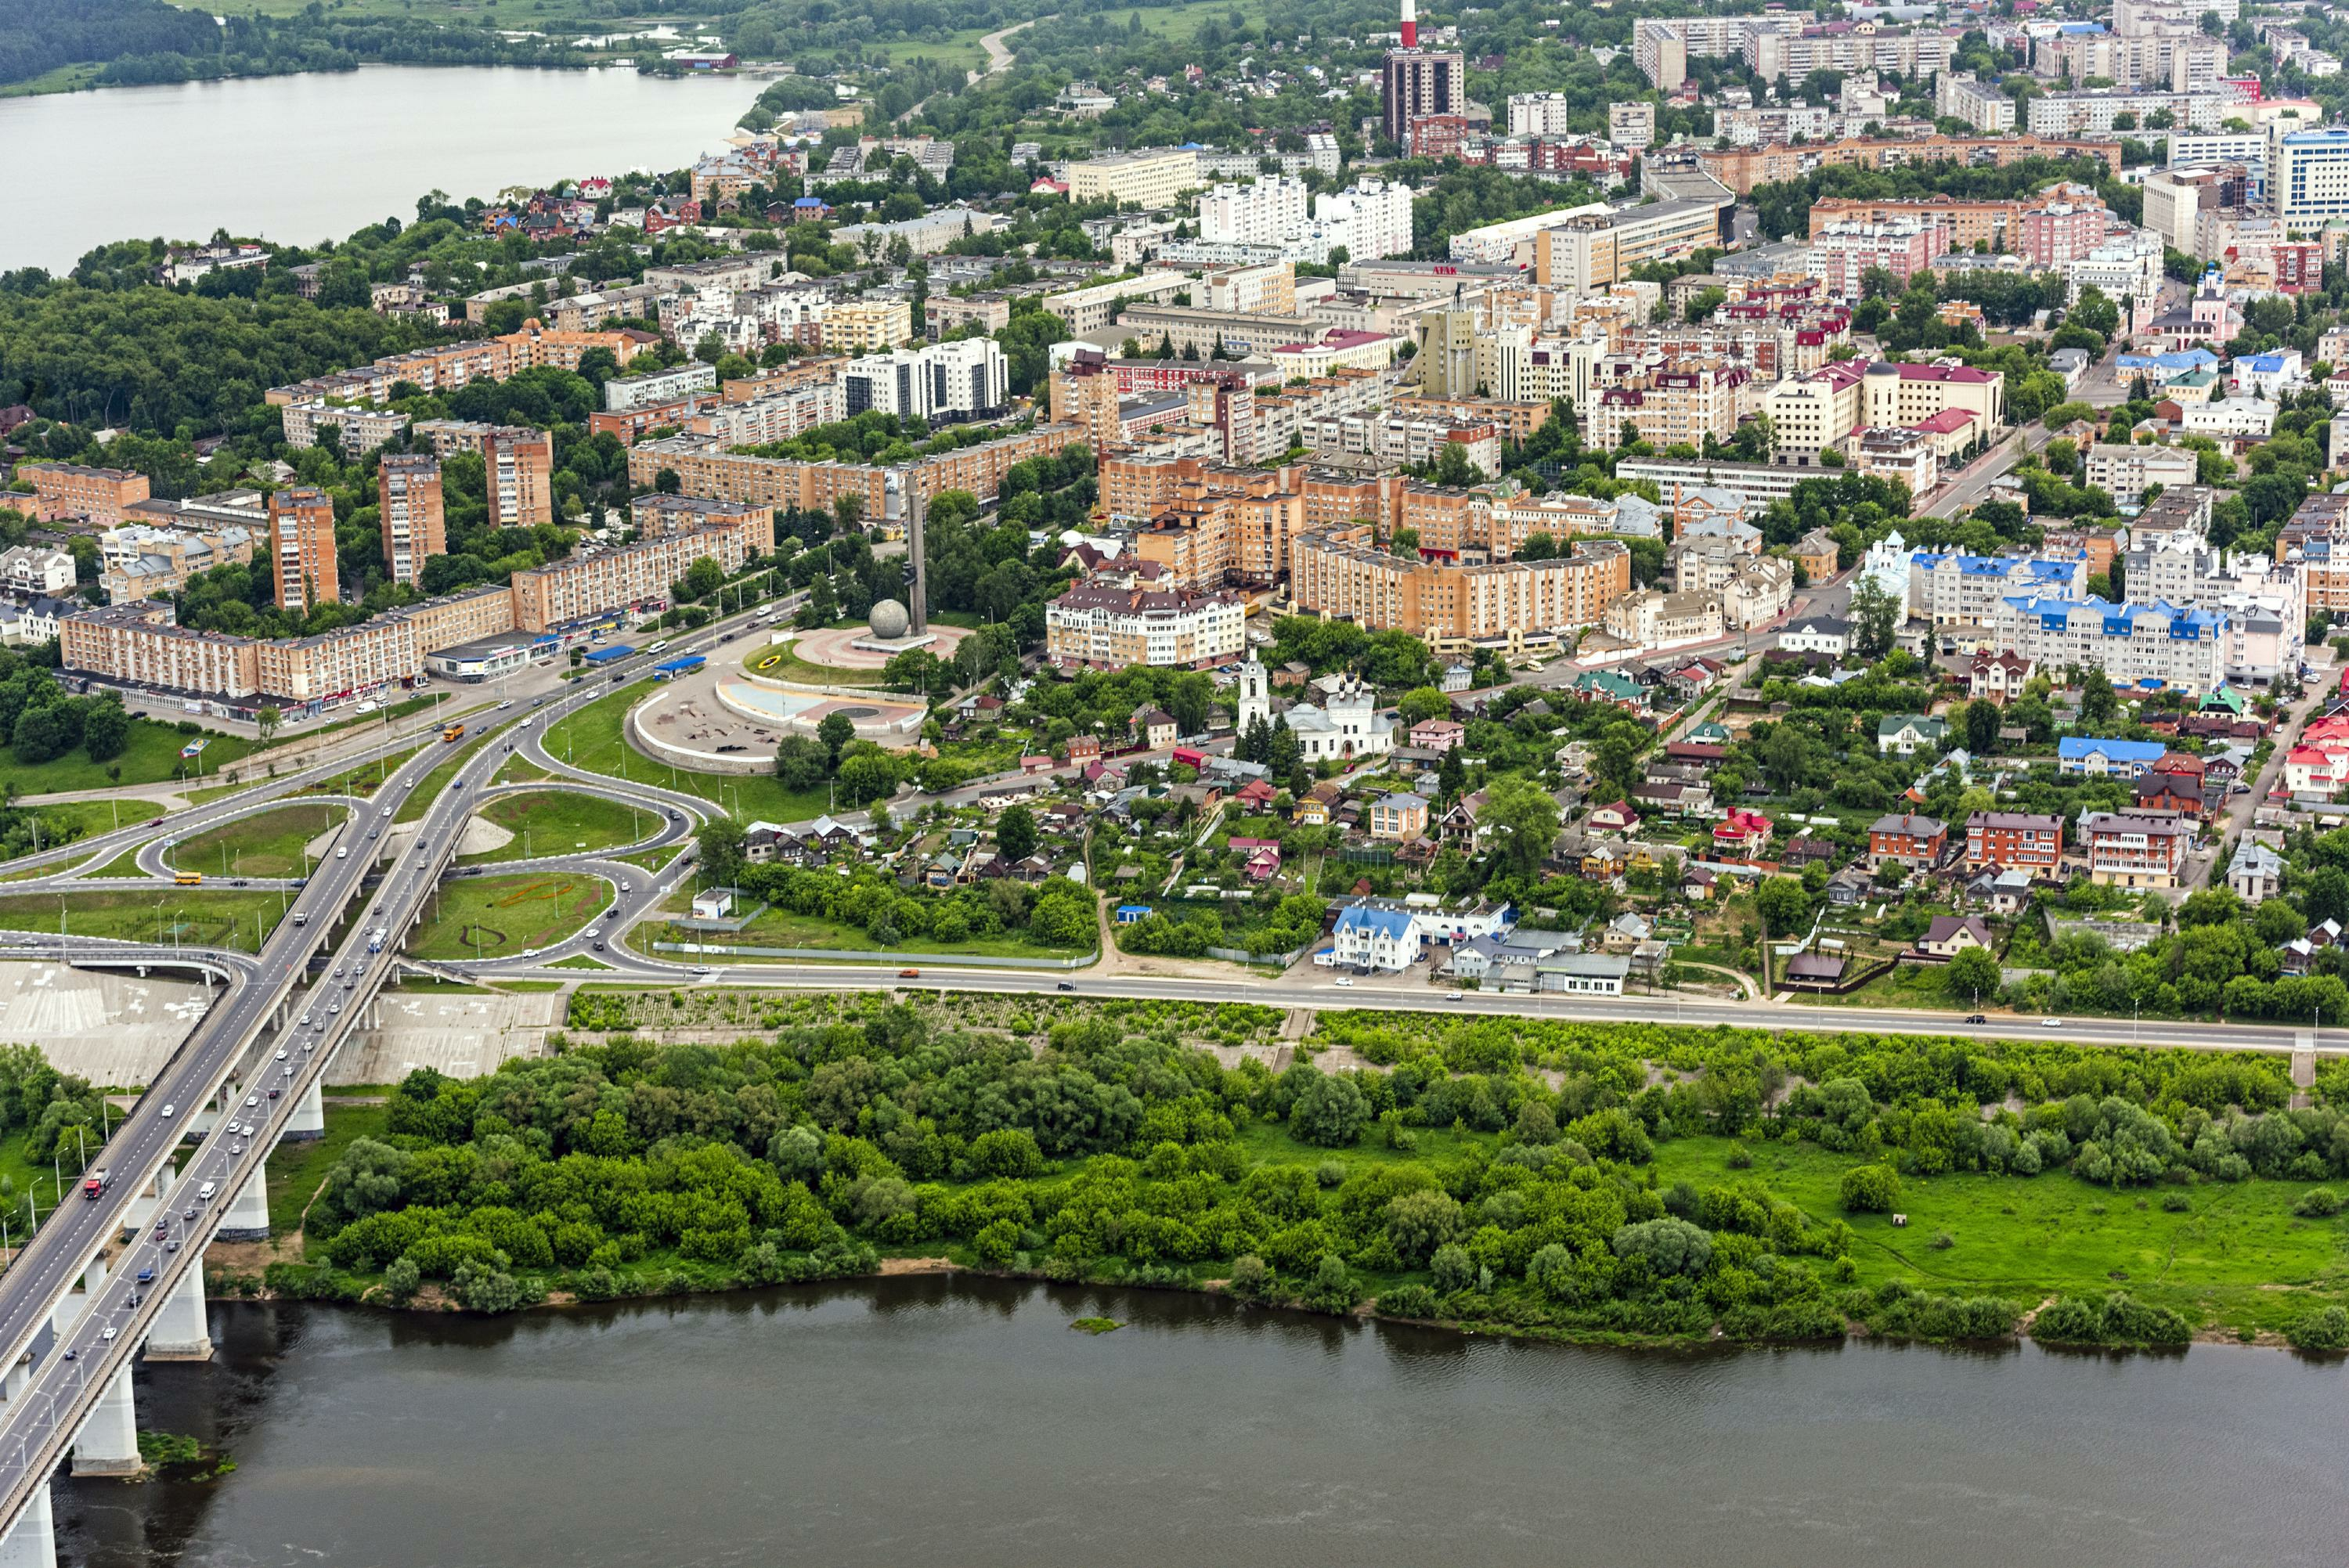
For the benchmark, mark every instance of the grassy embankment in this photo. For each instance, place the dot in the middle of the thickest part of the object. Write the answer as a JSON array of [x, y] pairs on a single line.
[[560, 822], [592, 738], [784, 928], [149, 756], [201, 917], [266, 844], [489, 917], [71, 821]]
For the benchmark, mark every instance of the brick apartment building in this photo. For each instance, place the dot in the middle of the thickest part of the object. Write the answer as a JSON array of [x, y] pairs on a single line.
[[62, 491], [301, 549], [414, 525], [519, 464], [637, 574], [2014, 841]]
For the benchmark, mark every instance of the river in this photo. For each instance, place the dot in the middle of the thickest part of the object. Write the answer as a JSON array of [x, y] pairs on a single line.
[[962, 1421], [300, 158]]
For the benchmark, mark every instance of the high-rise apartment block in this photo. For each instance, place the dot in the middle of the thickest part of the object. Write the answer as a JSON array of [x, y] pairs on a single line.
[[414, 525], [520, 463], [301, 549], [1421, 82], [1263, 214]]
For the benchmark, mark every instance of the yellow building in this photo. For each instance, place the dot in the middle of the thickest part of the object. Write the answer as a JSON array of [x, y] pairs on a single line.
[[865, 328], [1152, 177]]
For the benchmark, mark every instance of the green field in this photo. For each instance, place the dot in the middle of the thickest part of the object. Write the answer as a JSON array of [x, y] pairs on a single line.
[[73, 820], [783, 928], [492, 916], [2236, 1257], [266, 844], [200, 917], [151, 756], [559, 822], [781, 662], [590, 740]]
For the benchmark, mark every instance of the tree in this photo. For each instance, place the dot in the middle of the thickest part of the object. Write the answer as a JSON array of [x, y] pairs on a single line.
[[1982, 727], [264, 723], [1523, 817], [1015, 833], [718, 843], [1971, 976], [2097, 703], [1782, 904], [106, 730], [1419, 1222], [802, 762], [837, 731], [1875, 620], [1869, 1190], [1670, 1245], [1328, 1108]]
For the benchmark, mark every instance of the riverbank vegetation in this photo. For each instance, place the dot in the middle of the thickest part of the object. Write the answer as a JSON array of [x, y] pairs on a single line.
[[1584, 1181]]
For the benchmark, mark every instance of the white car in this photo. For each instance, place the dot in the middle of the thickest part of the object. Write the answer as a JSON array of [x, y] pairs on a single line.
[[170, 1111], [2051, 1023], [281, 1053], [1343, 980], [106, 1333], [253, 1102], [343, 853]]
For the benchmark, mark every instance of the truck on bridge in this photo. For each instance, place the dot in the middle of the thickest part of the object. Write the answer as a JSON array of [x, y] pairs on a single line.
[[94, 1184], [377, 938]]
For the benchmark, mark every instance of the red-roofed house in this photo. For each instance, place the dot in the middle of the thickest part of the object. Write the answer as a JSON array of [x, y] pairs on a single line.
[[1950, 431], [1743, 835], [1901, 395]]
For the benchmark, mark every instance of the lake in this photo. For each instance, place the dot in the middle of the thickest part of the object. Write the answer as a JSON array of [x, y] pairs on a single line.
[[962, 1421], [301, 158]]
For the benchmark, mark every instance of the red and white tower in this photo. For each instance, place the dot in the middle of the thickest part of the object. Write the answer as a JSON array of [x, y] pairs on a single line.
[[1409, 25]]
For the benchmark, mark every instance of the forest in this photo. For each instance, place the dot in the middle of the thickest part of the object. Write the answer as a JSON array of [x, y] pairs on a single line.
[[1673, 1184]]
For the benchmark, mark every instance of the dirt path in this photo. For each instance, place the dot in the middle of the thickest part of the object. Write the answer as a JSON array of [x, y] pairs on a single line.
[[998, 60], [1746, 986]]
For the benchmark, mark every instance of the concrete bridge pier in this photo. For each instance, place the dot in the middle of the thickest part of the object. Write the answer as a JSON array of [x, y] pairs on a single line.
[[309, 1120], [181, 1331], [247, 1218], [32, 1540], [108, 1443], [74, 1303]]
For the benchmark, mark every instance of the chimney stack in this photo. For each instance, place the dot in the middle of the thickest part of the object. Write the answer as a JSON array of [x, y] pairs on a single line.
[[1409, 25]]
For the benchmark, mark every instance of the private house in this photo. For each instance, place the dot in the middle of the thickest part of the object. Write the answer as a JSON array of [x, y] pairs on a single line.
[[1367, 937], [1398, 817], [1438, 735], [1951, 935], [2026, 841], [1907, 734], [2127, 849], [1900, 839], [2099, 759], [2000, 677], [1741, 837], [2256, 874], [1155, 728], [1617, 818]]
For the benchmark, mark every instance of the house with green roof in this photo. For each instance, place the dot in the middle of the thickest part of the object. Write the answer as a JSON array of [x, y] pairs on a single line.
[[1907, 734]]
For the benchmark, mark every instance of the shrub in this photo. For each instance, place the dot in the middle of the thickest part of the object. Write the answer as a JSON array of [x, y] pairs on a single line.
[[1329, 1110], [2114, 1320], [1250, 1278], [2323, 1331], [1332, 1290], [1671, 1246], [1331, 1173], [400, 1281], [1870, 1189], [1408, 1301], [1452, 1267], [2318, 1203]]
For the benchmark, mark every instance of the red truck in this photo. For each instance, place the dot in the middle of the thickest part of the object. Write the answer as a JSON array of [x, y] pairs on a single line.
[[94, 1184]]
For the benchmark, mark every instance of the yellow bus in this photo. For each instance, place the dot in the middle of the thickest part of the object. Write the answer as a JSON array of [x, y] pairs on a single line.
[[189, 879]]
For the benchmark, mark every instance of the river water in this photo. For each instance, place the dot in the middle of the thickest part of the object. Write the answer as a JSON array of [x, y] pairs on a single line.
[[304, 158], [963, 1422]]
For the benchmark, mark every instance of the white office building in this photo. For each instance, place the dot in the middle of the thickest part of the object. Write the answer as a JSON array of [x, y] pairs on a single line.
[[943, 383], [2308, 178]]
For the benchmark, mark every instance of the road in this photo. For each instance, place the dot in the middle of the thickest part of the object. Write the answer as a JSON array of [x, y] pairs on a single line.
[[998, 60]]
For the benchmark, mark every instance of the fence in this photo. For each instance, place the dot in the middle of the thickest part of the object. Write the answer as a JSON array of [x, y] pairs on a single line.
[[1242, 956], [857, 955]]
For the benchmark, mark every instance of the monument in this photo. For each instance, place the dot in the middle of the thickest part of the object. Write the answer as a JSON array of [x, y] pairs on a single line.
[[889, 629]]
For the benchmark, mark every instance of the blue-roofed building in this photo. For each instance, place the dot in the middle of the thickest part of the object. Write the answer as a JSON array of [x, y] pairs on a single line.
[[1377, 933], [1368, 937], [2270, 375], [2160, 370], [1954, 589], [2099, 758], [2149, 646]]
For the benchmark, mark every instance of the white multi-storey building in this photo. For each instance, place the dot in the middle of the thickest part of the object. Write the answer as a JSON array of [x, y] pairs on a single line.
[[1958, 590], [1371, 218], [1540, 114], [2153, 646], [1263, 214], [1102, 625], [943, 382]]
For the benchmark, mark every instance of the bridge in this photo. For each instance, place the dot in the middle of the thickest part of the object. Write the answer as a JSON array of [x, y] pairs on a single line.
[[107, 1278]]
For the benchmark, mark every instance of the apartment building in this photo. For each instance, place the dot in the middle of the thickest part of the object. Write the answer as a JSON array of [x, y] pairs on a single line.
[[1540, 114], [1902, 394], [1100, 625], [704, 467], [347, 662], [1664, 407], [1968, 223], [2160, 62], [1958, 95], [655, 516], [1151, 178], [2308, 176], [2092, 113], [1743, 168], [2128, 849], [29, 569], [867, 326], [520, 466], [1392, 439], [1263, 214], [465, 616], [1095, 306], [141, 642], [1630, 125], [632, 577], [410, 516], [778, 416], [2125, 472], [1848, 46], [66, 490], [1653, 619], [1903, 247], [1587, 251], [1417, 84], [2159, 645], [1954, 589], [301, 549], [939, 383], [1906, 839], [2014, 841], [1662, 46], [624, 393], [137, 561], [1813, 412], [1337, 572]]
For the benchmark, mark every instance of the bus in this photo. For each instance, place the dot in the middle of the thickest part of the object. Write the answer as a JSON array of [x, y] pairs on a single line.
[[189, 879], [454, 732]]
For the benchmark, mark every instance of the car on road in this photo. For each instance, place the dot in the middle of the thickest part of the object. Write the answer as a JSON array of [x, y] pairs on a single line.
[[625, 888], [599, 947], [909, 975], [1455, 995], [1976, 1019], [387, 810], [72, 1355], [281, 1053], [106, 1333], [170, 1111], [237, 1149], [342, 852], [2051, 1023], [252, 1102], [173, 1245], [377, 834], [163, 1226], [1343, 980], [189, 1215], [273, 1089], [147, 1277]]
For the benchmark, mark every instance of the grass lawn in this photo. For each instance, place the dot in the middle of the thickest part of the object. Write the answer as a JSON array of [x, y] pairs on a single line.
[[591, 739], [367, 777], [579, 960], [267, 844], [124, 864], [494, 916], [558, 823], [784, 664], [2026, 1237], [520, 770], [296, 1171], [151, 756], [202, 917], [654, 860], [783, 928], [69, 819]]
